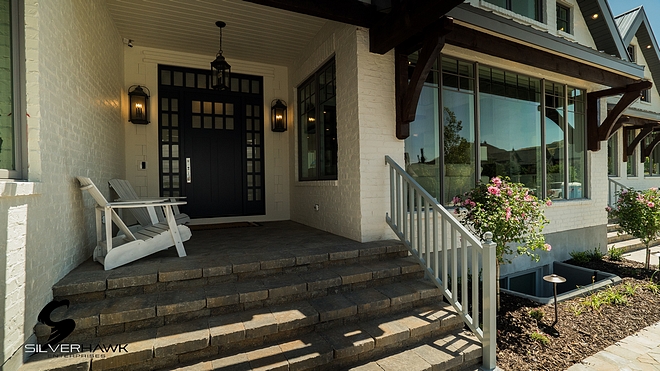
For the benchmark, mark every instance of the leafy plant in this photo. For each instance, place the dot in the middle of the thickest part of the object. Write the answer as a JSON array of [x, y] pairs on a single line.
[[539, 337], [615, 253], [653, 286], [577, 309], [630, 289], [536, 314], [510, 212], [638, 213], [580, 257], [610, 296]]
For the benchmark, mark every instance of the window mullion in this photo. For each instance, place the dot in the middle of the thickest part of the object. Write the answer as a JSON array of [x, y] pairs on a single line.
[[567, 175], [544, 182], [477, 122]]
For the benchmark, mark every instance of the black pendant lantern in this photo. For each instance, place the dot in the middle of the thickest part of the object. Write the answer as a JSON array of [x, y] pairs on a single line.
[[278, 116], [220, 69], [138, 101]]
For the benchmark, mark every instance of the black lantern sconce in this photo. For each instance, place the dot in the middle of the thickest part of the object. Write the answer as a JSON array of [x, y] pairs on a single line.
[[220, 69], [278, 116], [138, 101]]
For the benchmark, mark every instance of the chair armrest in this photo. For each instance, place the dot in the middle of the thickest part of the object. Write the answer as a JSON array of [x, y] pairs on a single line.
[[136, 204]]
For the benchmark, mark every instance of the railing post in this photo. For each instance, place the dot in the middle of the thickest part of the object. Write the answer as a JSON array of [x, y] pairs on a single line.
[[489, 343]]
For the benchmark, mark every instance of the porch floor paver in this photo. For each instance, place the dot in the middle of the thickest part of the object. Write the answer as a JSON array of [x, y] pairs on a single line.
[[223, 252]]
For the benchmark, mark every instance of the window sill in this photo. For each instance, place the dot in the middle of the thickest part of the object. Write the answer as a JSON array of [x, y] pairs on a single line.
[[14, 188], [515, 16], [566, 35], [317, 183], [571, 203]]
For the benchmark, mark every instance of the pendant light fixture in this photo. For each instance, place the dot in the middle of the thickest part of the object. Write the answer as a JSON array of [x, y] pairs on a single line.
[[220, 69]]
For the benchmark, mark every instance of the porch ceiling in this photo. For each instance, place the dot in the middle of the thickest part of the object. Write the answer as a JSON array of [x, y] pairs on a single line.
[[253, 33]]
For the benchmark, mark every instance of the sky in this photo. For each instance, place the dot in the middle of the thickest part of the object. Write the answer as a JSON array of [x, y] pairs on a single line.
[[652, 8]]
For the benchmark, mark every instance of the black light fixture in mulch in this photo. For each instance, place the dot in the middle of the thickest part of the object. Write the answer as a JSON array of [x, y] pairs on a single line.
[[554, 279], [278, 116], [220, 69], [138, 101]]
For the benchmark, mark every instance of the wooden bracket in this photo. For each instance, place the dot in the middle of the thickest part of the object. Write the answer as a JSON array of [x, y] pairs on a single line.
[[640, 136], [408, 92], [648, 148], [597, 133]]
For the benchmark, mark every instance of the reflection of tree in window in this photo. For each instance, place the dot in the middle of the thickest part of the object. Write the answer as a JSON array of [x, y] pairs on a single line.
[[457, 148]]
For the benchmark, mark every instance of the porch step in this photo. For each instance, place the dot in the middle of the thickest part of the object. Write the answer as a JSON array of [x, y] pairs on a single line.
[[616, 236], [124, 314], [458, 350], [631, 244], [612, 227], [251, 340], [89, 282]]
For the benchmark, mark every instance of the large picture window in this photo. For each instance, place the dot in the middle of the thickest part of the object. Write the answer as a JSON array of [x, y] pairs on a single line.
[[317, 122], [10, 134], [528, 129]]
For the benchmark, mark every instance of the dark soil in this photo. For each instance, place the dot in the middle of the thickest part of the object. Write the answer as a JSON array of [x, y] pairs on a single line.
[[578, 335]]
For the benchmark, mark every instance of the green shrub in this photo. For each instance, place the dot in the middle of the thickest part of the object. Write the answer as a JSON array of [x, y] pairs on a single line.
[[615, 253], [580, 256]]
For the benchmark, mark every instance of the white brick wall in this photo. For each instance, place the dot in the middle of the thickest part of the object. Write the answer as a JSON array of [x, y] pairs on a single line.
[[73, 92], [339, 201]]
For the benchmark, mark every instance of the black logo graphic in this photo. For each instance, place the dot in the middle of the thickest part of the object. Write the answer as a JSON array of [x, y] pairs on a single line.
[[60, 329]]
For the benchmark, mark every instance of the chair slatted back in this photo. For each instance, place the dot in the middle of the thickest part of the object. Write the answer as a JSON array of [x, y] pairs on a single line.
[[126, 192], [90, 187]]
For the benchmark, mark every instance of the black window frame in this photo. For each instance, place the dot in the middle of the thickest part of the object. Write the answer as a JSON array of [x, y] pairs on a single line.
[[645, 96], [564, 21], [321, 124], [632, 53], [539, 10], [19, 122]]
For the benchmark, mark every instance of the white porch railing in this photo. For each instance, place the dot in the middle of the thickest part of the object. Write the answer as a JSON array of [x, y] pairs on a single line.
[[450, 254], [613, 187]]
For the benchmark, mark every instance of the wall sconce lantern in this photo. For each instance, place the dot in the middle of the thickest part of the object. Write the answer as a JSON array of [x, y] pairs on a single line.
[[220, 69], [278, 116], [138, 101]]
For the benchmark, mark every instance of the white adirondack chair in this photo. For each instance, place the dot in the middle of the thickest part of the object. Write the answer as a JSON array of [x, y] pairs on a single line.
[[150, 215], [133, 245]]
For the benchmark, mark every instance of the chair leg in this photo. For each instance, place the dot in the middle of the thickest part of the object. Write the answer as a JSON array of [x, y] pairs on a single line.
[[174, 230]]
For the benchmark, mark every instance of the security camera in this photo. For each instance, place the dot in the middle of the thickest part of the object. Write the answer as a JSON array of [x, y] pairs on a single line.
[[130, 43]]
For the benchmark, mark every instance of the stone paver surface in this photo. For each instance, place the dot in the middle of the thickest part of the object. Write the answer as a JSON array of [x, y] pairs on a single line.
[[640, 351]]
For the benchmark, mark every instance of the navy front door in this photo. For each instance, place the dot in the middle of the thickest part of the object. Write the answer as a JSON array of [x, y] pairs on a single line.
[[216, 160]]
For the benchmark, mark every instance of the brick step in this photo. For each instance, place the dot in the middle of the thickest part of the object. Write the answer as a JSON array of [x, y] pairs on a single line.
[[338, 347], [89, 282], [124, 314], [613, 237], [458, 350], [612, 227], [631, 245], [295, 339]]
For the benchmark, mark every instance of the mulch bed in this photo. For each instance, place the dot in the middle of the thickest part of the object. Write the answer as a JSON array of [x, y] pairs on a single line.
[[580, 334]]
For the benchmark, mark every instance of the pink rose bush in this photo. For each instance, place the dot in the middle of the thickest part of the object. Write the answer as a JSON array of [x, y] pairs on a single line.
[[511, 212], [638, 215]]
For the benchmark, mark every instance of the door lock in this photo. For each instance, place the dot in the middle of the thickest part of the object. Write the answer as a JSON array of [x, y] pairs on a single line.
[[188, 171]]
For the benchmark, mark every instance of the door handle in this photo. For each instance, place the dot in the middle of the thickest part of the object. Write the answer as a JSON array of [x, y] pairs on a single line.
[[188, 171]]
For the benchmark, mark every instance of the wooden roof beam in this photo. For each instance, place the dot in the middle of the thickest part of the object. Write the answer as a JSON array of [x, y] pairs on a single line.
[[597, 133], [630, 149], [407, 20], [408, 92]]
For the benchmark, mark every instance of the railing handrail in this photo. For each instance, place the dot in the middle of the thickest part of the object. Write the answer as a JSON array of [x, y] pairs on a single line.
[[618, 183], [440, 242], [434, 202]]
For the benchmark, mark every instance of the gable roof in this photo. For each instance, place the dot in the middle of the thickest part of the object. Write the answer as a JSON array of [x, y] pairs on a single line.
[[603, 28], [635, 23]]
